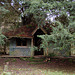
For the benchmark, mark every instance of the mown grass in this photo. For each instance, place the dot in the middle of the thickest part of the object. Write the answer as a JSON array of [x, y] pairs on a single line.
[[34, 71]]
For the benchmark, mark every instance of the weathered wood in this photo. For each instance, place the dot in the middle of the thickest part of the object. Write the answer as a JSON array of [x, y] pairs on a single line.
[[47, 51], [32, 52], [37, 29], [4, 48]]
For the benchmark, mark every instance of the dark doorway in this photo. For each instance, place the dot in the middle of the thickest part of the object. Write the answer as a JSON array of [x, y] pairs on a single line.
[[37, 42]]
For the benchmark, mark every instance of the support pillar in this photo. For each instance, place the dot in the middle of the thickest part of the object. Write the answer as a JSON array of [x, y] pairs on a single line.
[[32, 51], [5, 47]]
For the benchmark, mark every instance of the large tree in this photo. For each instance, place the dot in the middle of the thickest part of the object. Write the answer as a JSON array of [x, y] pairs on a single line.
[[38, 10], [41, 11]]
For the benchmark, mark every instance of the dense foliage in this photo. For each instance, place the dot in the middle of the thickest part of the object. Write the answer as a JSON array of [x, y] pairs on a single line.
[[2, 37], [60, 39], [40, 12]]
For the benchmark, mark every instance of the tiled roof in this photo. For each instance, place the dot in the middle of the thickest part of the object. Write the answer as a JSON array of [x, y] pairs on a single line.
[[23, 31]]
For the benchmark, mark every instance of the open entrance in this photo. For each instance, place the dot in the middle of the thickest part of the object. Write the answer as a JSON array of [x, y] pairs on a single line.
[[37, 42]]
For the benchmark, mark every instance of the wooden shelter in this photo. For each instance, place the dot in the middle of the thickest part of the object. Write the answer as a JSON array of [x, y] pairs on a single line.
[[23, 38]]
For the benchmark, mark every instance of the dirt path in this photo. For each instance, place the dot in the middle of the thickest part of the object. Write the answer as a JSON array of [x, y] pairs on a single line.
[[19, 67]]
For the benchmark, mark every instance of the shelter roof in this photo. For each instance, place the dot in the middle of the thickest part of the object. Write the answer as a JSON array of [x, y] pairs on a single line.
[[25, 31]]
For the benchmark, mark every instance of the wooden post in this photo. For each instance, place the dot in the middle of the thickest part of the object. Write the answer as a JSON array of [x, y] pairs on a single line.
[[5, 47], [47, 51], [32, 52]]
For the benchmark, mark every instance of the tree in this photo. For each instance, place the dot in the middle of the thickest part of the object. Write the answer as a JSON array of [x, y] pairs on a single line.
[[45, 43], [61, 39], [40, 12], [63, 34], [2, 38]]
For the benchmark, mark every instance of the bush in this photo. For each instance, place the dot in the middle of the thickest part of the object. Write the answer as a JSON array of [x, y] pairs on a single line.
[[51, 55]]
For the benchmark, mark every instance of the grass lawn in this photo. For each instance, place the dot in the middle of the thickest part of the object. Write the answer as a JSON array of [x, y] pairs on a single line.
[[17, 66]]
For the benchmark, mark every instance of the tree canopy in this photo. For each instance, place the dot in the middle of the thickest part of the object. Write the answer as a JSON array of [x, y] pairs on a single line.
[[40, 12]]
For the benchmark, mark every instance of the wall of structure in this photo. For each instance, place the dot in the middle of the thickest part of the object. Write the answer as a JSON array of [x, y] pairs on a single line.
[[59, 52], [19, 50]]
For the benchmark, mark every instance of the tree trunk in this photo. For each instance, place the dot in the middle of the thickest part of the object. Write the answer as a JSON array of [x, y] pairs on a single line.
[[47, 51]]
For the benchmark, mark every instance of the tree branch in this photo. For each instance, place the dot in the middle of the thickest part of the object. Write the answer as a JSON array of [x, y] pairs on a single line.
[[16, 10]]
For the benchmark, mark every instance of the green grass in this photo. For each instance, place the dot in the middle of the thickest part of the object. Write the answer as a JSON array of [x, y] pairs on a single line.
[[37, 71], [36, 63], [6, 73], [12, 60], [7, 60], [32, 59], [55, 73]]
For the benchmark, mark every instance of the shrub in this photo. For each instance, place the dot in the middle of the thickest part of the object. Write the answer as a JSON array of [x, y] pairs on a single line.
[[51, 55]]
